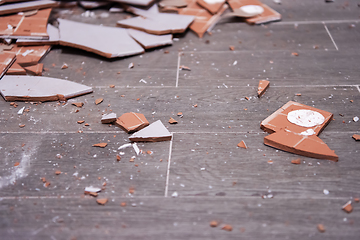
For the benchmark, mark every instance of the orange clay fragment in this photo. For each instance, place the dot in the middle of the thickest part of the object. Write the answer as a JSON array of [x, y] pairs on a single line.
[[78, 104], [356, 137], [296, 161], [227, 228], [102, 145], [16, 164], [347, 207], [242, 144], [57, 172], [321, 228], [263, 86], [214, 223], [102, 201], [99, 100], [172, 121]]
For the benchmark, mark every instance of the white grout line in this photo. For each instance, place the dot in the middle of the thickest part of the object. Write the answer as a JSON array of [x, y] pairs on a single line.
[[327, 30], [358, 88], [316, 22], [178, 70], [168, 167]]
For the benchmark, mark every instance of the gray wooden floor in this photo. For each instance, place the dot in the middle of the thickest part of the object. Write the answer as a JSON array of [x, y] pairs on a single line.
[[212, 178]]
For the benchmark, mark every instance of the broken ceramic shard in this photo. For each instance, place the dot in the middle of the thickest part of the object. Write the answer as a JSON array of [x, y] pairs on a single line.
[[263, 86], [155, 132], [6, 60], [153, 22], [101, 145], [356, 137], [242, 144], [204, 20], [108, 118], [148, 41], [35, 70], [54, 38], [108, 42], [294, 128], [92, 189], [131, 122], [347, 207], [29, 55], [135, 2], [27, 27], [213, 6], [34, 88], [26, 6], [262, 13], [16, 69], [172, 4]]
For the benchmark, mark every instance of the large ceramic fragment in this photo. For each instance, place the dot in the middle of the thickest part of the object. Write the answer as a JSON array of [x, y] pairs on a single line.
[[54, 38], [16, 69], [29, 55], [255, 11], [155, 132], [295, 128], [34, 88], [131, 122], [109, 42], [6, 60], [153, 22], [26, 6], [203, 19], [17, 26], [148, 41], [213, 6], [35, 70]]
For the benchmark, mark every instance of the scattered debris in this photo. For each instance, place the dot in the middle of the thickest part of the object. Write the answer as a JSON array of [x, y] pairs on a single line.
[[263, 86], [294, 128], [214, 223], [136, 148], [102, 145], [99, 100], [40, 89], [102, 201], [108, 118], [78, 104], [356, 137], [125, 146], [64, 66], [347, 207], [321, 228], [155, 132], [296, 161], [242, 144], [172, 121], [131, 122], [21, 111], [227, 227], [16, 164]]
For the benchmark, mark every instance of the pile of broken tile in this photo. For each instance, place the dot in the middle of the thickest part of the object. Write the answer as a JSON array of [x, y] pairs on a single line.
[[26, 24]]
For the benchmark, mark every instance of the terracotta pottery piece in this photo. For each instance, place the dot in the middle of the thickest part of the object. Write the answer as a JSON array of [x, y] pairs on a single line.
[[6, 60], [131, 122], [263, 86]]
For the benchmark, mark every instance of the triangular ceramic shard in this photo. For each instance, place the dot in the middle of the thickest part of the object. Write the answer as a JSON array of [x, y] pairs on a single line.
[[148, 41], [35, 70], [131, 122], [54, 38], [242, 144], [294, 128], [6, 61], [26, 6], [213, 6], [108, 118], [268, 14], [155, 132], [158, 23], [263, 86], [17, 26], [16, 69], [309, 146], [34, 88], [108, 42], [204, 20]]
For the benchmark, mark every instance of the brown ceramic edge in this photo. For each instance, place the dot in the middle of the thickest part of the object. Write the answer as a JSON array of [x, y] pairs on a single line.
[[153, 139]]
